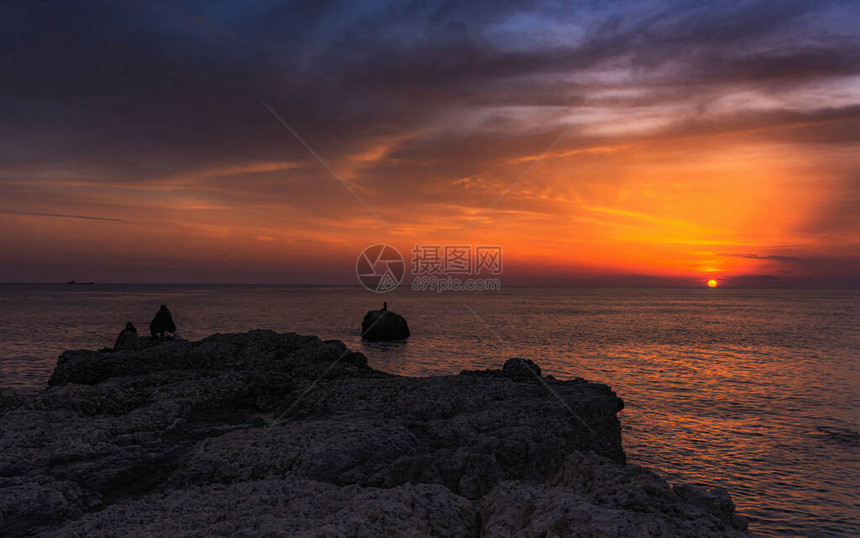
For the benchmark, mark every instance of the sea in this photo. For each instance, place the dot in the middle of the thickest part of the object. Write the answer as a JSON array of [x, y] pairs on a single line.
[[755, 391]]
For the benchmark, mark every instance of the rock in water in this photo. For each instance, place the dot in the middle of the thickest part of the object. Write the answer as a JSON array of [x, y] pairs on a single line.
[[521, 369], [265, 434], [383, 325]]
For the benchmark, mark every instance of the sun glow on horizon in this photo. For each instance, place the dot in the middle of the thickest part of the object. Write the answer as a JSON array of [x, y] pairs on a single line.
[[712, 283]]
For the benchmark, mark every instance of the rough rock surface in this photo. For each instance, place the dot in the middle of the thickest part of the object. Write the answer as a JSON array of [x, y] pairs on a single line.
[[592, 496], [383, 325], [262, 434], [517, 368]]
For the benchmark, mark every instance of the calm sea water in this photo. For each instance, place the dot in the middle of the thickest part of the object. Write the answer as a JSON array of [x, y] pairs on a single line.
[[752, 390]]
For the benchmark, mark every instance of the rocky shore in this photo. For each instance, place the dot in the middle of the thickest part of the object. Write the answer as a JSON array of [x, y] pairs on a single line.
[[265, 434]]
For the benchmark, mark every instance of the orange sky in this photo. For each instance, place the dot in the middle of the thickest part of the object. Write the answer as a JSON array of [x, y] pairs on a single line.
[[675, 171]]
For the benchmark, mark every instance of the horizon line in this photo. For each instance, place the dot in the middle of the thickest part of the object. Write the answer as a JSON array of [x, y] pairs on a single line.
[[359, 286]]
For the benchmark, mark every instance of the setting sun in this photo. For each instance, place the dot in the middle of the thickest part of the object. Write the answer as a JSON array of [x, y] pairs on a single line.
[[712, 283]]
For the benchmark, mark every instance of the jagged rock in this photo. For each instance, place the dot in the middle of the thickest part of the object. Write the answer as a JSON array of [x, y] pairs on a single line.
[[286, 508], [8, 399], [592, 496], [714, 501], [38, 498], [456, 431], [263, 433], [521, 369], [255, 350], [383, 325]]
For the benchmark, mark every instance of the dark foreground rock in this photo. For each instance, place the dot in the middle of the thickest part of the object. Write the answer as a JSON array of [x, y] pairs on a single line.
[[264, 434], [383, 325]]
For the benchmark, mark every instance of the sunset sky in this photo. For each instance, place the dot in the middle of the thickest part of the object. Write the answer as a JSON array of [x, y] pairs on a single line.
[[610, 143]]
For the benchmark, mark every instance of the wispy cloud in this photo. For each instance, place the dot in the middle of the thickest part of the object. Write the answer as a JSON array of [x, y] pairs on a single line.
[[62, 216], [769, 257]]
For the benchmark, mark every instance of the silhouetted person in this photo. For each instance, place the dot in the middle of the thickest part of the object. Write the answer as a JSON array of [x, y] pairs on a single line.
[[127, 338], [385, 305], [162, 323]]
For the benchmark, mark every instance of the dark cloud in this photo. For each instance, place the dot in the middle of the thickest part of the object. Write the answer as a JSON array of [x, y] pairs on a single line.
[[832, 269], [783, 280], [769, 257], [446, 98], [149, 88], [60, 216]]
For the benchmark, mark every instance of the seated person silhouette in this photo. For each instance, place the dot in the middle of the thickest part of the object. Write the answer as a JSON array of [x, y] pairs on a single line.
[[162, 323], [127, 338]]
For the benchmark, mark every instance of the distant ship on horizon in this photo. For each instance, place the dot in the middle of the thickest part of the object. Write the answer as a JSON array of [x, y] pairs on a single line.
[[71, 282]]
